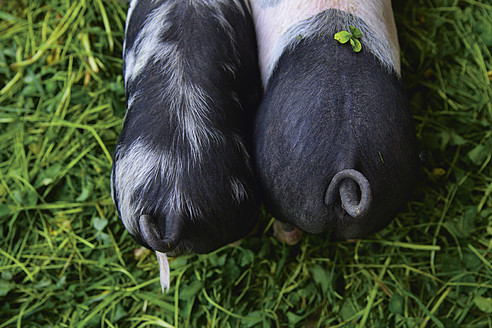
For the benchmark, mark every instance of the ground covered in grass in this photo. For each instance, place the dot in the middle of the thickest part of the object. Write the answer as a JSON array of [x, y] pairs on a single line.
[[66, 260]]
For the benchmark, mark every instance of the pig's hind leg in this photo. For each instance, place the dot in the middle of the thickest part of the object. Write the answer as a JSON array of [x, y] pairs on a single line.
[[286, 232]]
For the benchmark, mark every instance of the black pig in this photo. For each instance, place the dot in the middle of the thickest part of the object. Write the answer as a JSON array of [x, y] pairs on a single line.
[[182, 179], [335, 147]]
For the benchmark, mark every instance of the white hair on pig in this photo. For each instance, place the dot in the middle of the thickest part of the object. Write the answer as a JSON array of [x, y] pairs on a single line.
[[281, 24]]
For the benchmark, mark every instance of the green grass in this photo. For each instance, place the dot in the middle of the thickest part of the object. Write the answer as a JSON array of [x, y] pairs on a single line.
[[66, 259]]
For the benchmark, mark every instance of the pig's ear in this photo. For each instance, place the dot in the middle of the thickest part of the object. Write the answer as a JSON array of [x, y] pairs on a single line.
[[151, 235], [345, 182]]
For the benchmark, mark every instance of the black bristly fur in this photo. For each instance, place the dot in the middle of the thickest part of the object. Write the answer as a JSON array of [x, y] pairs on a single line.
[[326, 109], [211, 216]]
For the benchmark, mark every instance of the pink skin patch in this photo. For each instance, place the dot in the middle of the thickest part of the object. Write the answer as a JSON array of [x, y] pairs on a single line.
[[272, 22], [287, 234]]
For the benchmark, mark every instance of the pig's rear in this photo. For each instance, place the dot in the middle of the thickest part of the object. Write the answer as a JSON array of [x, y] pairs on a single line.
[[328, 110], [182, 179]]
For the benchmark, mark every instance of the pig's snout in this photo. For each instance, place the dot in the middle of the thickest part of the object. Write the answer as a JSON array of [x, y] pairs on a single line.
[[353, 201]]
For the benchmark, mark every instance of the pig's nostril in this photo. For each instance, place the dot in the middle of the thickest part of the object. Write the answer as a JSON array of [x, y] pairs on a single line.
[[355, 201]]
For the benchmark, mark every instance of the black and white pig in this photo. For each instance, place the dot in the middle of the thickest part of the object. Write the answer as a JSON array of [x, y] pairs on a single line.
[[182, 179], [335, 147]]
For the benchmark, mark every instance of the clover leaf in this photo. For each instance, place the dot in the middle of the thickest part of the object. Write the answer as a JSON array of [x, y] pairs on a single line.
[[352, 36], [343, 36]]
